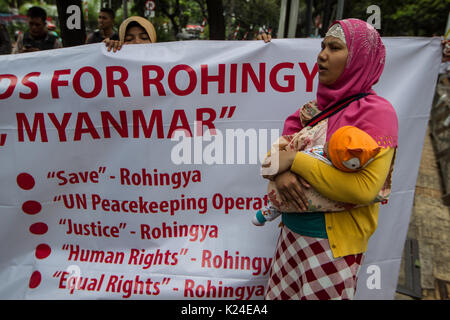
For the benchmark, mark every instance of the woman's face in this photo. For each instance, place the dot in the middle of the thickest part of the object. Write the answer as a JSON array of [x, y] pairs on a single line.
[[136, 35], [331, 60]]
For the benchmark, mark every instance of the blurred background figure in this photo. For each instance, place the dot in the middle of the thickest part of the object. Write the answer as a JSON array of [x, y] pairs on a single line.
[[52, 30], [105, 27], [5, 42], [37, 37]]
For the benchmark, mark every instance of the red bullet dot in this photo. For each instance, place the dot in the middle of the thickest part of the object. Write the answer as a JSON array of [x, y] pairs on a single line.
[[31, 207], [43, 251], [25, 181], [35, 280], [38, 228]]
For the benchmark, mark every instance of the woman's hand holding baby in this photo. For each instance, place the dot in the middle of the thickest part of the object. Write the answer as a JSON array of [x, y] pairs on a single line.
[[277, 163], [290, 187]]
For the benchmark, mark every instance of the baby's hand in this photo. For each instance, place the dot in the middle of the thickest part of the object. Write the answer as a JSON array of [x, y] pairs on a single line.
[[268, 169]]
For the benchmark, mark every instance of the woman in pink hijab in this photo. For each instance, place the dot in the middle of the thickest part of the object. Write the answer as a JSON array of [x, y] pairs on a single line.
[[319, 254]]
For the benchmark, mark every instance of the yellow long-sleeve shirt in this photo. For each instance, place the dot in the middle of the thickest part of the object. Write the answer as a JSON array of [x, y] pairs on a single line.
[[348, 231]]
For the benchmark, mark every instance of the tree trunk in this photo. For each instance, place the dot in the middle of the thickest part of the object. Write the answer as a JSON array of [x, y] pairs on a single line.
[[165, 8], [216, 20], [326, 18]]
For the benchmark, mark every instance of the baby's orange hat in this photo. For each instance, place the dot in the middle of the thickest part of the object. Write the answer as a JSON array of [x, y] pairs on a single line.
[[350, 148]]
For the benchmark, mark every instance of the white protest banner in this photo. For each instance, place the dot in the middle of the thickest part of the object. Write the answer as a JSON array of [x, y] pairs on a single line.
[[102, 197]]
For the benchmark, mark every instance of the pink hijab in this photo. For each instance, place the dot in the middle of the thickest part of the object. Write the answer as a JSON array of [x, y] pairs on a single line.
[[365, 63]]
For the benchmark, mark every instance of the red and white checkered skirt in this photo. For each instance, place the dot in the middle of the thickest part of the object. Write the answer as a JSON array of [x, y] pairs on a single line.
[[304, 269]]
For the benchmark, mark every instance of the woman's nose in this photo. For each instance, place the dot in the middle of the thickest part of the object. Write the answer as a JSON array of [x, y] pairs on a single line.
[[322, 56]]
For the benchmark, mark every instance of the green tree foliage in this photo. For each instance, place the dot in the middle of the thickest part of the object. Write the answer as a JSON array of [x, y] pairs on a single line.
[[49, 8], [250, 16], [178, 12], [398, 17], [5, 5], [4, 8], [404, 17]]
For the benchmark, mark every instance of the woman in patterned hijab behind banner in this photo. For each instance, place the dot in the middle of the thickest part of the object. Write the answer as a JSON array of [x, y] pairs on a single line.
[[319, 254]]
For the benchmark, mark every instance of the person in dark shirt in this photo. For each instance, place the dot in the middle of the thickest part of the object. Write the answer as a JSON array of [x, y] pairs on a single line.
[[5, 42], [37, 37], [105, 27]]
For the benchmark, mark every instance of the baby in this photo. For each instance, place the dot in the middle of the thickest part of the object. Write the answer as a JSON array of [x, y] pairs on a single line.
[[348, 149]]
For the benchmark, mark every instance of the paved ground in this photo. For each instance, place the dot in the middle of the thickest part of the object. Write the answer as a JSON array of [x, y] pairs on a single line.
[[430, 225]]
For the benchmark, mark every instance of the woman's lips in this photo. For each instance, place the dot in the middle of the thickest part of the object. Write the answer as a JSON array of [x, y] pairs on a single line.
[[322, 69]]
